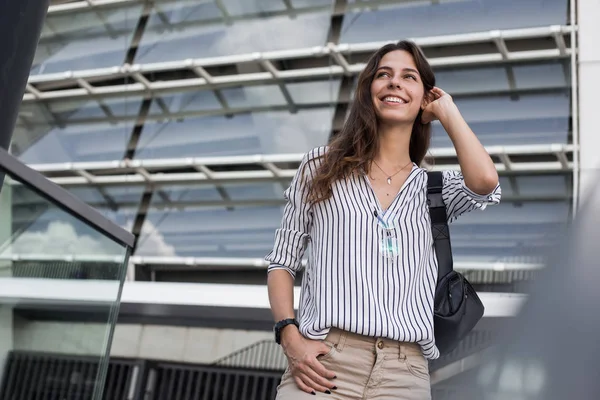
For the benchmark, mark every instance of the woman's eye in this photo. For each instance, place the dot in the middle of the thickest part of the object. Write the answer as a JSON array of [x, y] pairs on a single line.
[[382, 74], [411, 77]]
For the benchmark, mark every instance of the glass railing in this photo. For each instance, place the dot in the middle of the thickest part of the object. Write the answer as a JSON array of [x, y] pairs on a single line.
[[59, 259]]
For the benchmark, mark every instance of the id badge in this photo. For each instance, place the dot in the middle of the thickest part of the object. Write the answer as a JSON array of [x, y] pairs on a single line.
[[388, 245]]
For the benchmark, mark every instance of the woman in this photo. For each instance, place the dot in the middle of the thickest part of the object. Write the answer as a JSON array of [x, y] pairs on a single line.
[[365, 325]]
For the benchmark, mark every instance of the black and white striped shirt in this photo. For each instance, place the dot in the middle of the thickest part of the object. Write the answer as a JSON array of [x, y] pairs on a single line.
[[349, 283]]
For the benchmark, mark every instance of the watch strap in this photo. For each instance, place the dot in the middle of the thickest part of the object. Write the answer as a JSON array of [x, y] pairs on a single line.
[[281, 324]]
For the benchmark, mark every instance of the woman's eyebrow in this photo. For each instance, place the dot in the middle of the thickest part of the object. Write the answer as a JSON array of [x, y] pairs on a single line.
[[403, 69]]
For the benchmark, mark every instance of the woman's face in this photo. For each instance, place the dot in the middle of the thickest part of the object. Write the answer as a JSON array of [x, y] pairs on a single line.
[[397, 90]]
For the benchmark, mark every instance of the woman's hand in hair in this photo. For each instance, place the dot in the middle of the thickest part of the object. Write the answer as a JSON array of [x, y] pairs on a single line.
[[439, 106], [476, 165], [308, 372]]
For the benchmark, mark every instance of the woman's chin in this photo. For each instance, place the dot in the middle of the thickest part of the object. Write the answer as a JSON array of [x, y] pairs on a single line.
[[395, 119]]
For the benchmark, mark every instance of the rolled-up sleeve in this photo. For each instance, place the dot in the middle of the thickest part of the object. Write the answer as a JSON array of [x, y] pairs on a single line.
[[459, 199], [293, 234]]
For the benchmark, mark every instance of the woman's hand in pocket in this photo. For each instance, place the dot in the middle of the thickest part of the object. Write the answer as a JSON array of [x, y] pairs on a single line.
[[308, 372]]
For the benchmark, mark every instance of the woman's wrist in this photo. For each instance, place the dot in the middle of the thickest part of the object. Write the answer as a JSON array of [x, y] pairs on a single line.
[[289, 334], [449, 115]]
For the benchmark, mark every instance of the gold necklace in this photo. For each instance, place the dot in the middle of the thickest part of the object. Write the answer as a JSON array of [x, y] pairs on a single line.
[[389, 178]]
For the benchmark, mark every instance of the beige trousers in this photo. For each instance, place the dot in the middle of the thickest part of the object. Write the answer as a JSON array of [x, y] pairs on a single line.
[[368, 368]]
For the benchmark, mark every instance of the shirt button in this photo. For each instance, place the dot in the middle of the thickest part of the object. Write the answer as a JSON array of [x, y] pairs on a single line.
[[380, 345]]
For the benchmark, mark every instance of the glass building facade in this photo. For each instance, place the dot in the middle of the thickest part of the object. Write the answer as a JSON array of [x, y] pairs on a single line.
[[184, 121]]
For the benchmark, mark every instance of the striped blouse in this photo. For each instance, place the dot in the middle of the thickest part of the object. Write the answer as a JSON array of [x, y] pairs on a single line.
[[349, 282]]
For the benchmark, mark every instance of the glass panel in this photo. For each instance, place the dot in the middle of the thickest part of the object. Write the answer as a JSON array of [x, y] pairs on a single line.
[[209, 232], [456, 81], [76, 130], [183, 221], [251, 133], [118, 204], [187, 29], [543, 186], [189, 195], [67, 39], [505, 120], [322, 91], [254, 96], [53, 263], [102, 141], [192, 101], [448, 17], [509, 232]]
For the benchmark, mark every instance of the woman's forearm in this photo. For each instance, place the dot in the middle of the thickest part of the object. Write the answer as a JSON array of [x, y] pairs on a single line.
[[281, 297], [476, 165]]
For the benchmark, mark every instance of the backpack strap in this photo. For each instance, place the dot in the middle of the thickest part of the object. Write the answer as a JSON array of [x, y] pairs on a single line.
[[439, 224]]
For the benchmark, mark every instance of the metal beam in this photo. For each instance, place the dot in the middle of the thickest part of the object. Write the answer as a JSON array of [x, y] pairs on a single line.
[[164, 172], [85, 5], [62, 83]]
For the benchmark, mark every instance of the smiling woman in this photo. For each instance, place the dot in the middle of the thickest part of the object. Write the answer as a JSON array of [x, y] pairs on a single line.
[[368, 288]]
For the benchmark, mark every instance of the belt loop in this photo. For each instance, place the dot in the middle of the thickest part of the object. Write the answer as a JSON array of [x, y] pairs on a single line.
[[341, 342], [401, 353]]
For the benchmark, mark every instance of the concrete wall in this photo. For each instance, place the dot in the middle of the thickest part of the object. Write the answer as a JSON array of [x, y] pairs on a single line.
[[179, 344], [588, 12]]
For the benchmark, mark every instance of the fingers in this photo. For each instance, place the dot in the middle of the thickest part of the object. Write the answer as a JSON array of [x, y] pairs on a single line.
[[316, 372], [303, 386], [320, 369], [310, 381]]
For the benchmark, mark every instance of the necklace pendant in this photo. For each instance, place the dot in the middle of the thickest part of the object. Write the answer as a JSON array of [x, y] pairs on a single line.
[[389, 180]]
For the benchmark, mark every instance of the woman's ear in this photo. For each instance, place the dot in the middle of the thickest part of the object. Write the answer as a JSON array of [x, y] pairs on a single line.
[[427, 98]]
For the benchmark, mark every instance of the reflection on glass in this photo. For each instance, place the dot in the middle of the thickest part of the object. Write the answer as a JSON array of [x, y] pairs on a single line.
[[321, 91], [256, 133], [79, 142], [67, 39], [189, 196], [187, 29], [502, 120], [254, 96], [118, 204], [509, 232], [405, 19], [182, 102], [209, 232], [49, 257], [496, 78], [547, 186]]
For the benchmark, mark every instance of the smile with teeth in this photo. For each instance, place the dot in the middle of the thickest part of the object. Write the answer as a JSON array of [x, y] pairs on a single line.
[[393, 99]]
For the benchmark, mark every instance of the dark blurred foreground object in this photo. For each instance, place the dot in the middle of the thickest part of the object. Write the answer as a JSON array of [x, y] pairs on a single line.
[[551, 351], [20, 27]]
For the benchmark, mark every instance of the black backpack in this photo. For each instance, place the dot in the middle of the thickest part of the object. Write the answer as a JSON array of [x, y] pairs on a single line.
[[457, 308]]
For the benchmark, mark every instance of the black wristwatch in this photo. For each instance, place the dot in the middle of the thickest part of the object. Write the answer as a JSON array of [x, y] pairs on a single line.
[[280, 325]]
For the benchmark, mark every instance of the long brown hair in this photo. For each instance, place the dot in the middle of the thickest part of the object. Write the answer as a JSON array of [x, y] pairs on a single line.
[[355, 146]]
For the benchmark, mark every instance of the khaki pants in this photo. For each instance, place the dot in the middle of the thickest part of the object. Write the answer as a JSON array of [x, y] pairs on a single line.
[[368, 369]]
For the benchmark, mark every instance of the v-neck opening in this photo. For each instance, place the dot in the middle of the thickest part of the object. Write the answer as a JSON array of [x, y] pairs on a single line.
[[408, 179]]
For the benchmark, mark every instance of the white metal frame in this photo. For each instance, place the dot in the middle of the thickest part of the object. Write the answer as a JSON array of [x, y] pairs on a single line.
[[85, 79], [575, 106], [97, 5], [94, 292], [161, 172]]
